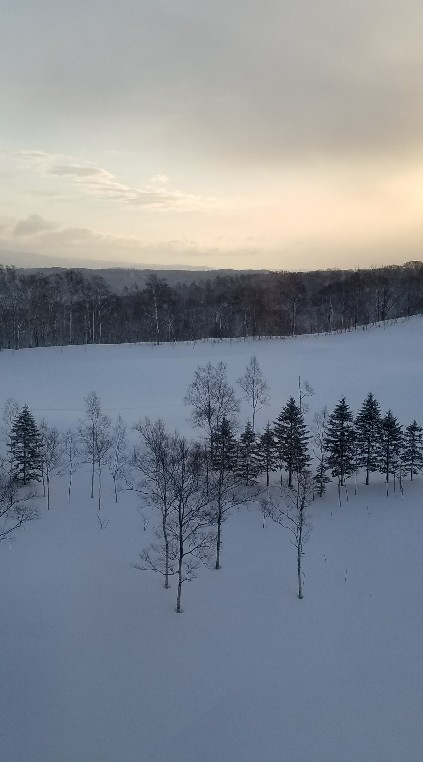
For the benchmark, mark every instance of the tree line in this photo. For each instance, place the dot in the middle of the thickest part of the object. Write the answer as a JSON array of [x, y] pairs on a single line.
[[189, 486], [73, 307]]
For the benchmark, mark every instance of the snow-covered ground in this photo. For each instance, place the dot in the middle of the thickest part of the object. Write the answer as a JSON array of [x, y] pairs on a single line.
[[96, 666]]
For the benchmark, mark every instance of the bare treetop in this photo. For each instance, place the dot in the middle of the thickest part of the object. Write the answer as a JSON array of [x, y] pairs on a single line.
[[255, 387], [212, 397]]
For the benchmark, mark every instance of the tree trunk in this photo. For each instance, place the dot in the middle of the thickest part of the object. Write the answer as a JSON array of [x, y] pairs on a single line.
[[300, 587], [180, 560], [219, 522], [300, 549], [70, 485], [219, 532], [99, 488], [166, 541], [93, 463]]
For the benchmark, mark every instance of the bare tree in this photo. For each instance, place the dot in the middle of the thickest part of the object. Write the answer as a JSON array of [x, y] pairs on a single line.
[[102, 448], [52, 451], [93, 433], [191, 525], [151, 462], [305, 389], [189, 521], [16, 506], [118, 459], [290, 511], [11, 410], [255, 387], [73, 457], [157, 294], [212, 398]]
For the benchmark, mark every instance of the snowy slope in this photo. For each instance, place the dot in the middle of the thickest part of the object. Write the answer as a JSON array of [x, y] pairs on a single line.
[[96, 666]]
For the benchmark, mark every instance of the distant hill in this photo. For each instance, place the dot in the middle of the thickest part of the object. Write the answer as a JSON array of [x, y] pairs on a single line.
[[32, 260], [119, 277]]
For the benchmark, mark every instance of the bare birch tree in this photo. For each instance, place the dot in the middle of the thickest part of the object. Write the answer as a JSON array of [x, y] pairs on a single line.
[[305, 389], [255, 388], [93, 431], [52, 450], [212, 398], [189, 523], [16, 506], [152, 467], [118, 454], [73, 457], [290, 510], [11, 410]]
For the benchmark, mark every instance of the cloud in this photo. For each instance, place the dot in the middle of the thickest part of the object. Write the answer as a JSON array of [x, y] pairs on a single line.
[[103, 185], [250, 80], [32, 225], [75, 171]]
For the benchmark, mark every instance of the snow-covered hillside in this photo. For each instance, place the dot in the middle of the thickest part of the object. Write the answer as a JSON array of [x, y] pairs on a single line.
[[96, 666]]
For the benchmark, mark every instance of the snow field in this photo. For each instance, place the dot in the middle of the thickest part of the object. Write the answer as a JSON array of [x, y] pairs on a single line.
[[95, 664]]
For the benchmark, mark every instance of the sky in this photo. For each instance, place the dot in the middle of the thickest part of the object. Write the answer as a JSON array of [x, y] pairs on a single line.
[[240, 134]]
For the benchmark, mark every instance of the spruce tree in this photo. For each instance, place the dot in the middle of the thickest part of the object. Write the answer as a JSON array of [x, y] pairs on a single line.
[[390, 445], [340, 438], [247, 466], [224, 459], [321, 478], [25, 448], [266, 453], [413, 449], [291, 438], [368, 425], [224, 447]]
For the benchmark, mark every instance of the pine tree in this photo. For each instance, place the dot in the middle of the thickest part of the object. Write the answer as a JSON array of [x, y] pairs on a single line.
[[25, 448], [368, 425], [339, 441], [390, 445], [266, 453], [413, 449], [291, 439], [247, 466]]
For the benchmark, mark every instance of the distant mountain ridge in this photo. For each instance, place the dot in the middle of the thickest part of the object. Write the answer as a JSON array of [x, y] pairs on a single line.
[[32, 260]]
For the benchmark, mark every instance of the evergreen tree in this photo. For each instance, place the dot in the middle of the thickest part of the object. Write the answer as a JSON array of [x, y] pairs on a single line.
[[368, 431], [247, 466], [25, 448], [291, 438], [339, 441], [321, 477], [224, 447], [224, 460], [390, 445], [266, 453], [413, 449]]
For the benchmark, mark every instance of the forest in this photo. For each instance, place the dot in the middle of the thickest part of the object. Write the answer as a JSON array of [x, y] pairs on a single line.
[[38, 308]]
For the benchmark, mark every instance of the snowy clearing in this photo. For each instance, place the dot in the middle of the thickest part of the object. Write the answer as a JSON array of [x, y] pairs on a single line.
[[95, 664]]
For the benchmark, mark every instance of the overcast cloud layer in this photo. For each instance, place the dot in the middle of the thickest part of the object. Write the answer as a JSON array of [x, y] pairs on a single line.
[[244, 130]]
